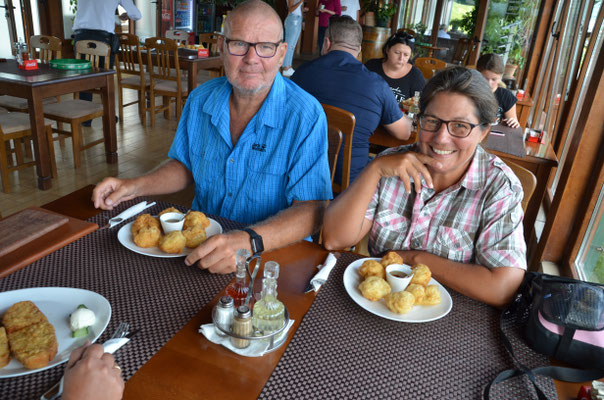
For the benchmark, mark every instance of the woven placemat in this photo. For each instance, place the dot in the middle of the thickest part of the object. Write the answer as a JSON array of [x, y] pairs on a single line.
[[156, 295], [509, 141], [341, 351]]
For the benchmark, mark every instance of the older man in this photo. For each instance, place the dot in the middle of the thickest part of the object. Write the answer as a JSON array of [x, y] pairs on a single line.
[[254, 144], [339, 79]]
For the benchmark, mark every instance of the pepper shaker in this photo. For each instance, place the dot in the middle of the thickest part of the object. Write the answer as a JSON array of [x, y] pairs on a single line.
[[242, 326]]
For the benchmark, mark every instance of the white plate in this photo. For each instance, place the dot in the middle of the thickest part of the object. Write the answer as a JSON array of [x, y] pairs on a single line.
[[352, 279], [57, 303], [124, 235]]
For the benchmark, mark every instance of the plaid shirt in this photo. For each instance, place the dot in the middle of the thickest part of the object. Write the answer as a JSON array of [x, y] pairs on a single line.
[[478, 220]]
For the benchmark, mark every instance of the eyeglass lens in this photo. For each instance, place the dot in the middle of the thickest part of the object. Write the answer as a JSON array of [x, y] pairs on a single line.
[[240, 48], [455, 128]]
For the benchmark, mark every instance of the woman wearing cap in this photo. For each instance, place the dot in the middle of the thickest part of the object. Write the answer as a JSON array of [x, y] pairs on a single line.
[[443, 201], [403, 78]]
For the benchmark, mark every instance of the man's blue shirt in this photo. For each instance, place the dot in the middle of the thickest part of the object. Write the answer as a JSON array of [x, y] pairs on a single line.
[[340, 80], [281, 155]]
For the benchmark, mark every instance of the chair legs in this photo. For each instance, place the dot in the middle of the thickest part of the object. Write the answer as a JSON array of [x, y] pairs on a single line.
[[120, 103], [76, 137], [4, 169]]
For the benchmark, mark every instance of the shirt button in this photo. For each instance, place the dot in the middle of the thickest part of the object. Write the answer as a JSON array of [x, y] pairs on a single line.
[[231, 160], [416, 244], [230, 194], [457, 245]]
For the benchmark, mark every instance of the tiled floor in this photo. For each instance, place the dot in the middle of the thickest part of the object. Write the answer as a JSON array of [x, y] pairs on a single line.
[[139, 150]]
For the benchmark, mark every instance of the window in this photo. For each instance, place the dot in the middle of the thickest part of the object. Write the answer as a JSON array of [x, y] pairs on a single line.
[[590, 260]]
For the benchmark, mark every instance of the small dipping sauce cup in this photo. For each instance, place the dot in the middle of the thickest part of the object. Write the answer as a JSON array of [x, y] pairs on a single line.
[[172, 221], [398, 276]]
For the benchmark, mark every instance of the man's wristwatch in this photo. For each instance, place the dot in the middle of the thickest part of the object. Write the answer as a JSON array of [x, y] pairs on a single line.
[[257, 243]]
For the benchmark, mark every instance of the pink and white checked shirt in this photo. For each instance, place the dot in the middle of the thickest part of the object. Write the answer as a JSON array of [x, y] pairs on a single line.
[[478, 220]]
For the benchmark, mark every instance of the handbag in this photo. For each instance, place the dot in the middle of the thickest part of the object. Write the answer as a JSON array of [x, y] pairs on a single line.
[[562, 318]]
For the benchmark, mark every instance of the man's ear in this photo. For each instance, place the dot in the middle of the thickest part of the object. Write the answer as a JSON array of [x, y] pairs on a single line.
[[326, 45]]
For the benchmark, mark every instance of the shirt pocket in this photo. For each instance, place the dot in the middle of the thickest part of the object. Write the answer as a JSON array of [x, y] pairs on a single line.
[[389, 230], [454, 244], [267, 178]]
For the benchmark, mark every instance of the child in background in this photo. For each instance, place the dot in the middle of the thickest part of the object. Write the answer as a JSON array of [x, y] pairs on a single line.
[[491, 67]]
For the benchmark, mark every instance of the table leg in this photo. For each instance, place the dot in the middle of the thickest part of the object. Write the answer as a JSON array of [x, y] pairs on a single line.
[[42, 154], [192, 81], [108, 95]]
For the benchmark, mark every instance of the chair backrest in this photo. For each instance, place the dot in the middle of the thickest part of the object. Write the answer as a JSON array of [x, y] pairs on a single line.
[[162, 59], [342, 121], [210, 41], [527, 179], [93, 50], [181, 37], [334, 138], [407, 30], [462, 51], [128, 59], [428, 66], [45, 48]]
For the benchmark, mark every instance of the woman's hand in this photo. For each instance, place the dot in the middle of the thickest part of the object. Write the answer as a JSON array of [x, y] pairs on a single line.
[[406, 166], [512, 122]]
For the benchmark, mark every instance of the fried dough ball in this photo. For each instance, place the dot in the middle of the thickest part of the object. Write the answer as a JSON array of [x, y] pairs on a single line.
[[147, 236], [400, 302], [421, 274], [168, 210], [417, 291], [391, 258], [144, 221], [372, 268], [374, 288], [195, 236], [432, 296], [173, 243], [196, 218]]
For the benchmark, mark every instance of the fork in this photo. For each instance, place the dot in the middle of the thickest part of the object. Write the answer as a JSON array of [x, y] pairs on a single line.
[[110, 346]]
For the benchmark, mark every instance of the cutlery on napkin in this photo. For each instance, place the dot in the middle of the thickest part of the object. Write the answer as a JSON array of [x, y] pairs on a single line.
[[130, 212], [321, 277]]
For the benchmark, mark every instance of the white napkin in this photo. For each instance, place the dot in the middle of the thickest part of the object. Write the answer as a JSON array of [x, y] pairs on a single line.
[[130, 212], [257, 348], [321, 277]]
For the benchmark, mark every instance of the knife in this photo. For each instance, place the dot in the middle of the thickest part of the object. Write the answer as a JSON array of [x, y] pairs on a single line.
[[130, 212], [110, 346]]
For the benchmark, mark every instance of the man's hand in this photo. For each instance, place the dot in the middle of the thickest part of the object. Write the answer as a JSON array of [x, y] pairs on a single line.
[[92, 374], [406, 166], [217, 254], [124, 17], [112, 191]]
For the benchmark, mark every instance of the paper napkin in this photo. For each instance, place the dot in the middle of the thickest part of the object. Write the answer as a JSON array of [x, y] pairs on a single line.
[[321, 277]]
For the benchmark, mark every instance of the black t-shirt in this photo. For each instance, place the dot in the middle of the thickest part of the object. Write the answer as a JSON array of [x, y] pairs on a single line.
[[506, 100], [403, 88]]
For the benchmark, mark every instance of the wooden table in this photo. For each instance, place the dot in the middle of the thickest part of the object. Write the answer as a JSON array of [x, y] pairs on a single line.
[[189, 365], [429, 48], [36, 85], [191, 65]]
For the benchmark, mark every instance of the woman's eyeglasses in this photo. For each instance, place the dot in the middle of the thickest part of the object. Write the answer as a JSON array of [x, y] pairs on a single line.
[[460, 129]]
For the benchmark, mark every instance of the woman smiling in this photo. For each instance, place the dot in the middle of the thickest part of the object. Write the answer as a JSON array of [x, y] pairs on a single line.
[[442, 201]]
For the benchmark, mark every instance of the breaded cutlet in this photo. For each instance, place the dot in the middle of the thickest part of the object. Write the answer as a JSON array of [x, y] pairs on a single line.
[[20, 315], [35, 345], [4, 349]]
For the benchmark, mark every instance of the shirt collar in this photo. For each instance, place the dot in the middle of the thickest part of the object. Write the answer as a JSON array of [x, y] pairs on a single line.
[[476, 175]]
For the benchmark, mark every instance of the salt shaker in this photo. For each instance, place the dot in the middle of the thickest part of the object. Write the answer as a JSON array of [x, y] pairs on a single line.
[[242, 326], [223, 315]]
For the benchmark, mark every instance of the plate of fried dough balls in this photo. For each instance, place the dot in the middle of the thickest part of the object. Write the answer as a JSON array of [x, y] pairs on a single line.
[[145, 235], [423, 300]]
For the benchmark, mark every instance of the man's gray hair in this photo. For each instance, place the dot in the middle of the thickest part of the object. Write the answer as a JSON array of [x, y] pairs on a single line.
[[343, 30], [253, 6]]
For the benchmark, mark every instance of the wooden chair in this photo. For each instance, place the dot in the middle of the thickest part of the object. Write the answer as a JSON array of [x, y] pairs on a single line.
[[463, 49], [428, 66], [163, 82], [76, 111], [210, 42], [131, 75], [527, 179], [15, 126], [342, 121], [181, 37]]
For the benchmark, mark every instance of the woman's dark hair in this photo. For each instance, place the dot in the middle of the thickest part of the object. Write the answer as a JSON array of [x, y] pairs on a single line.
[[398, 37], [464, 81]]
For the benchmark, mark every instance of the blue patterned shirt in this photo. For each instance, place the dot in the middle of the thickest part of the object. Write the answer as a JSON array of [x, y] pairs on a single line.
[[281, 155]]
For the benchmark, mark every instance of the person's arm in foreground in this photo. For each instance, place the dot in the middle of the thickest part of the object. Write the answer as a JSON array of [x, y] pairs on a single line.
[[90, 374], [301, 219], [170, 177], [510, 117]]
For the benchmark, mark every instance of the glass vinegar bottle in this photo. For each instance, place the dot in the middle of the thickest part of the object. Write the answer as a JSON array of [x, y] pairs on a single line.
[[238, 289], [269, 313]]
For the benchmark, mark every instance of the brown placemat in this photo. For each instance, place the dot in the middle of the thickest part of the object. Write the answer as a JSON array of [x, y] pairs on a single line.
[[156, 295], [342, 351], [511, 142], [25, 226]]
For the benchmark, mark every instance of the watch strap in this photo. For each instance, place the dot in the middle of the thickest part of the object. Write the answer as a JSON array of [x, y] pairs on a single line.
[[256, 240]]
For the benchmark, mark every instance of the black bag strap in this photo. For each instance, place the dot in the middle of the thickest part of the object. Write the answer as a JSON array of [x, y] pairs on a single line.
[[560, 373]]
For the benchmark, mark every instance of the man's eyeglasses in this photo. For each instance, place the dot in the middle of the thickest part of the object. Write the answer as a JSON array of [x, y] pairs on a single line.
[[263, 49], [460, 129]]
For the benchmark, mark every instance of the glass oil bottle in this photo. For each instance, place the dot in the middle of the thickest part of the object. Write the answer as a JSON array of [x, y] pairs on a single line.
[[269, 313]]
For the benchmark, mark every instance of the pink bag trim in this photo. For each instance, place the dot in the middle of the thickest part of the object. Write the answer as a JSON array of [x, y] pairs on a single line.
[[595, 338]]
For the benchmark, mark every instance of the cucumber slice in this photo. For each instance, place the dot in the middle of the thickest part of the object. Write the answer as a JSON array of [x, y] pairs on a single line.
[[80, 332]]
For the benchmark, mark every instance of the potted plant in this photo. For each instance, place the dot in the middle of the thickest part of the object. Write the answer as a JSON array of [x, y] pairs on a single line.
[[370, 8], [384, 13], [515, 60]]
